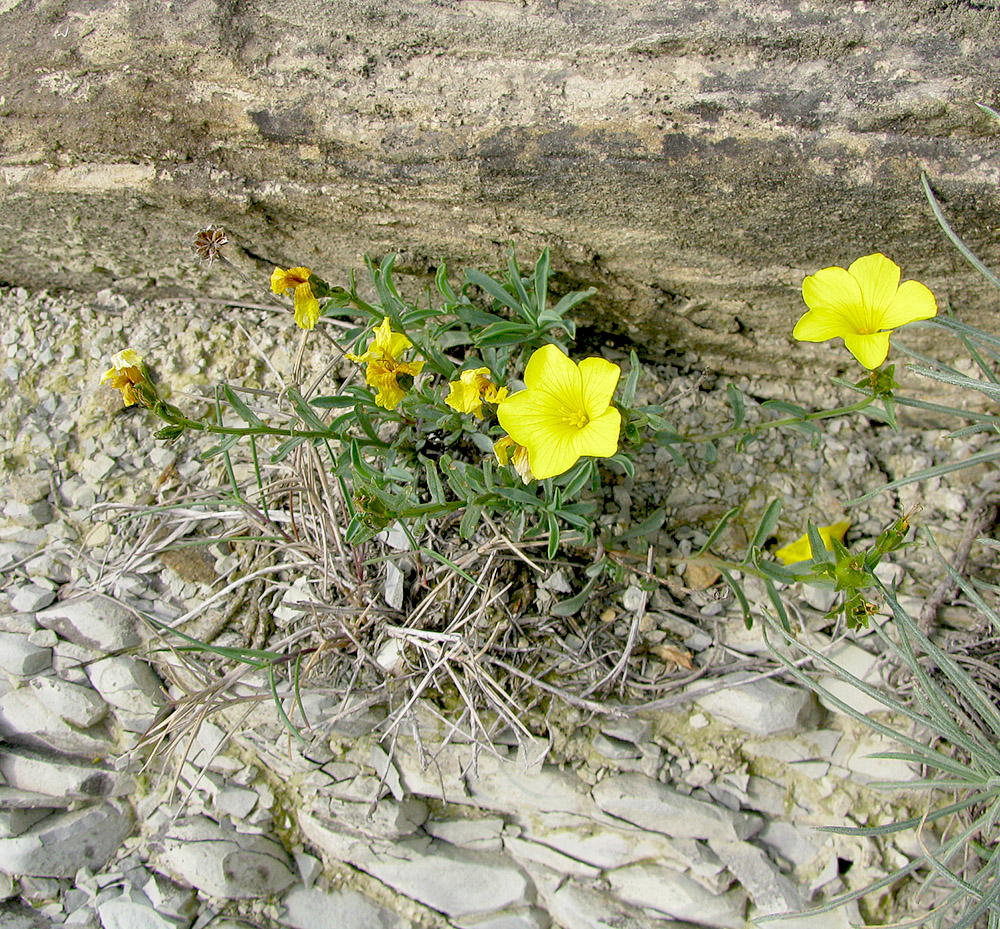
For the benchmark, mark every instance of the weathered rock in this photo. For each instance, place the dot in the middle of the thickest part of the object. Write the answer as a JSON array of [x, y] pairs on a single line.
[[483, 833], [521, 917], [79, 706], [343, 909], [93, 622], [220, 861], [29, 598], [55, 776], [133, 910], [771, 891], [16, 915], [455, 881], [26, 720], [647, 803], [690, 160], [761, 707], [20, 658], [16, 821], [131, 687], [63, 843], [675, 894]]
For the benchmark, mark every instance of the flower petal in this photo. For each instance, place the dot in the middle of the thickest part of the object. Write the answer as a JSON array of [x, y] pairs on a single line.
[[835, 299], [537, 420], [599, 438], [600, 378], [306, 307], [878, 278], [870, 349], [551, 370], [912, 301]]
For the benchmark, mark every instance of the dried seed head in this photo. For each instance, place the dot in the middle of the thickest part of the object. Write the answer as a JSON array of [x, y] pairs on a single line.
[[208, 242]]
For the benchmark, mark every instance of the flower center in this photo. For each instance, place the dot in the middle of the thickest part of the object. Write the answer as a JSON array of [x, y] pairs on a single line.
[[577, 419]]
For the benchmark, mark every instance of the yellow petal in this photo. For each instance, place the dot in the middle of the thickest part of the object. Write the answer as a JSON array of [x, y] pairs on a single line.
[[912, 301], [801, 550], [599, 438], [551, 370], [306, 307], [600, 378], [835, 299], [464, 396], [502, 448], [282, 280], [871, 350], [878, 278]]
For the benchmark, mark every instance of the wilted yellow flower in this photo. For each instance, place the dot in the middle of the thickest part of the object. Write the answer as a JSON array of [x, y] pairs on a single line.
[[384, 366], [126, 375], [471, 389], [801, 550], [862, 305], [565, 412], [306, 304], [518, 457]]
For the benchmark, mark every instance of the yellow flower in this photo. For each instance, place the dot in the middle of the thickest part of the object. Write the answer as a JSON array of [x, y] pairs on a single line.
[[518, 458], [471, 389], [126, 375], [384, 366], [801, 550], [306, 304], [565, 412], [861, 305]]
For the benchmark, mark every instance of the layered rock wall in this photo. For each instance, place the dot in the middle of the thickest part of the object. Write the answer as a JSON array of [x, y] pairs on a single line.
[[692, 160]]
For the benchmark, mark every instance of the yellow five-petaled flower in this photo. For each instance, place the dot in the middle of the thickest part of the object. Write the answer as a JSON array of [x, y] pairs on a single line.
[[801, 548], [862, 304], [126, 374], [471, 389], [565, 412], [306, 304], [384, 366]]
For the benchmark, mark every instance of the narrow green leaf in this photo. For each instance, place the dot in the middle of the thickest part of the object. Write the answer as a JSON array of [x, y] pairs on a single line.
[[224, 445], [717, 531], [486, 283], [286, 448], [738, 404], [518, 496], [647, 527], [740, 596], [967, 252], [776, 601], [434, 484], [574, 604], [766, 526], [305, 411], [542, 281], [819, 550], [281, 710], [242, 410], [632, 381], [553, 525], [471, 519]]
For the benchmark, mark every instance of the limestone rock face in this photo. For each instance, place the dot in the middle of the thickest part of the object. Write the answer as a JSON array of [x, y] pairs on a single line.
[[692, 160]]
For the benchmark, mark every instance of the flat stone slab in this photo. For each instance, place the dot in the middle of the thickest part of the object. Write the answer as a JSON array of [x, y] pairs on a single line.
[[63, 843], [675, 894], [93, 622], [455, 881], [647, 803], [341, 909], [222, 862], [59, 777]]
